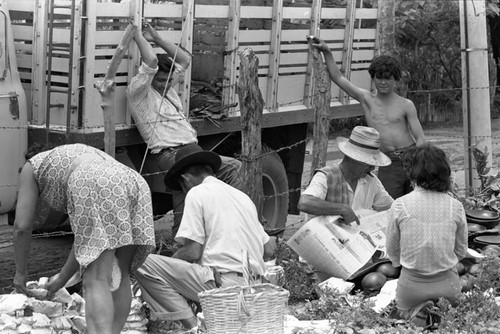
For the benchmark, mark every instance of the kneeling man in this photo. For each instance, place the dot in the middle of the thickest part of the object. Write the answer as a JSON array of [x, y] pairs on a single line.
[[219, 222]]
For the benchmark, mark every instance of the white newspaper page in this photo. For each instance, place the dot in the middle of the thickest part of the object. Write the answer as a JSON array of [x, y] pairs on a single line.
[[375, 225], [334, 248]]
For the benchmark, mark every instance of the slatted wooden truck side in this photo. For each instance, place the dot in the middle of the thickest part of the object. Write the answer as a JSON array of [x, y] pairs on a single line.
[[63, 47]]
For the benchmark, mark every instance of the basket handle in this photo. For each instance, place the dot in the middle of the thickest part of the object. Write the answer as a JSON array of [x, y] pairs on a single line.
[[242, 306], [245, 263]]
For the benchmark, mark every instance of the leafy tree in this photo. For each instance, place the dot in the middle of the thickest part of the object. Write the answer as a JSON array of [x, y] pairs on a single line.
[[428, 42]]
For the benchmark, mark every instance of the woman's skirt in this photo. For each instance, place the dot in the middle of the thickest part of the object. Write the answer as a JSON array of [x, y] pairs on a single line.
[[414, 288], [109, 206]]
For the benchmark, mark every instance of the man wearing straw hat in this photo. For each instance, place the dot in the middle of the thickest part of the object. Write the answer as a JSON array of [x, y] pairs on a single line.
[[350, 186], [219, 222], [157, 109]]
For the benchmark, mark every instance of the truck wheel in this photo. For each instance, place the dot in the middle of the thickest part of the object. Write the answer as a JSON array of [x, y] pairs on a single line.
[[275, 188]]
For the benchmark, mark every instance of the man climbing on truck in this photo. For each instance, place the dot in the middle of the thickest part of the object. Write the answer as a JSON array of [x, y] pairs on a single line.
[[157, 110], [392, 115]]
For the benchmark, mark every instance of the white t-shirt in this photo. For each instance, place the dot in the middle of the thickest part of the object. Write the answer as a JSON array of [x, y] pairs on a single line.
[[225, 221]]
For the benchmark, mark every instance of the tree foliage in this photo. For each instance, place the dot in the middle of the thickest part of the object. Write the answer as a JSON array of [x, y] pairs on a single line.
[[427, 36]]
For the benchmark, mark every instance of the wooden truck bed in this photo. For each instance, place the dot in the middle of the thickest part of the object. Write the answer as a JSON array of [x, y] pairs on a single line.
[[214, 31]]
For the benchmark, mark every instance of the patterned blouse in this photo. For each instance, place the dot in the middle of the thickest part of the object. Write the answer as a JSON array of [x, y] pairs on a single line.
[[52, 168], [426, 232]]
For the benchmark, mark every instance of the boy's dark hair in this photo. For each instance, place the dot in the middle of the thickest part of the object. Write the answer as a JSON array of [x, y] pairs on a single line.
[[428, 166], [385, 66]]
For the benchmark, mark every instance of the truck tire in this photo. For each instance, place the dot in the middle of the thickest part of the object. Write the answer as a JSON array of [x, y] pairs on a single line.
[[275, 188], [274, 183]]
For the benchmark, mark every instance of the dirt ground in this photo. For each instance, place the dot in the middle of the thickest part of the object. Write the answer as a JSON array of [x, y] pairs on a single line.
[[48, 254]]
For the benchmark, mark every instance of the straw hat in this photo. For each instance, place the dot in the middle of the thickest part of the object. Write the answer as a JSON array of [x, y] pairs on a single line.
[[364, 145], [186, 156]]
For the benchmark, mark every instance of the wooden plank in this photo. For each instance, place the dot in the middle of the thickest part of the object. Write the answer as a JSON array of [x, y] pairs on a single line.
[[367, 13], [39, 63], [233, 40], [340, 13], [164, 10], [114, 9], [345, 68], [73, 96], [101, 65], [291, 89], [362, 55], [299, 35], [274, 57], [294, 69], [314, 30], [132, 59], [22, 48], [105, 37], [88, 111], [24, 61], [23, 33], [299, 58], [21, 5], [365, 34], [187, 43]]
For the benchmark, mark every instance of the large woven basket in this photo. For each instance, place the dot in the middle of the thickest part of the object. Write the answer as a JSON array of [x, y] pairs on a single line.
[[245, 309]]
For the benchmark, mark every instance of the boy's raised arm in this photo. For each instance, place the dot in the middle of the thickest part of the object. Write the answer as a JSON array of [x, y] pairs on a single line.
[[352, 90]]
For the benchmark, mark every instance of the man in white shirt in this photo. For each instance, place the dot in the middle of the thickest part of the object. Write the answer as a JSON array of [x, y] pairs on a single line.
[[350, 186], [219, 222], [157, 109]]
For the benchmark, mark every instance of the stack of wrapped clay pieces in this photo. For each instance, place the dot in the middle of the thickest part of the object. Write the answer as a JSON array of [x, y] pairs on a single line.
[[64, 314]]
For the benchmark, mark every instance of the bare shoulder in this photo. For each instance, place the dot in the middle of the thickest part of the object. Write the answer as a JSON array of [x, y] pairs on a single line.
[[406, 104]]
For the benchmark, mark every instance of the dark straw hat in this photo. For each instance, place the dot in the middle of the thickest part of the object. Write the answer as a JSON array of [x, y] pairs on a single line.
[[186, 156]]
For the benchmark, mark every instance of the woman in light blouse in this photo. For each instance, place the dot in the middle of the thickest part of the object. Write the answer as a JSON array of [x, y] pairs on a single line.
[[426, 232]]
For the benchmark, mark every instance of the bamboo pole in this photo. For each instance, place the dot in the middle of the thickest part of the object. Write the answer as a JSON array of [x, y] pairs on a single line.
[[321, 106], [251, 106], [106, 88]]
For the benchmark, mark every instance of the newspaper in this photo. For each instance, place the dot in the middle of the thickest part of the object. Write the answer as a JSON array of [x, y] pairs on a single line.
[[338, 249]]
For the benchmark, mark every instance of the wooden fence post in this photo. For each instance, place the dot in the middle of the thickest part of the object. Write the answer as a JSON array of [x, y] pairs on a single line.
[[321, 98], [251, 106], [106, 88]]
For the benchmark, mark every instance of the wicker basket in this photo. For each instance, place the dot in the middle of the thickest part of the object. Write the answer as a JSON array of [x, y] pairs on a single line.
[[251, 309]]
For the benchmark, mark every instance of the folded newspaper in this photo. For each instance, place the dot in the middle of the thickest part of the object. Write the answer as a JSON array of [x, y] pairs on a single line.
[[338, 249]]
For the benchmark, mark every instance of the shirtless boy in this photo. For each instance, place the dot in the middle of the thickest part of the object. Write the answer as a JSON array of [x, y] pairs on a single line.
[[393, 116]]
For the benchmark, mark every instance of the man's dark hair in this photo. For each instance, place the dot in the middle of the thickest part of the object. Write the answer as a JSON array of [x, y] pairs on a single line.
[[160, 78], [385, 67], [428, 166], [199, 169]]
